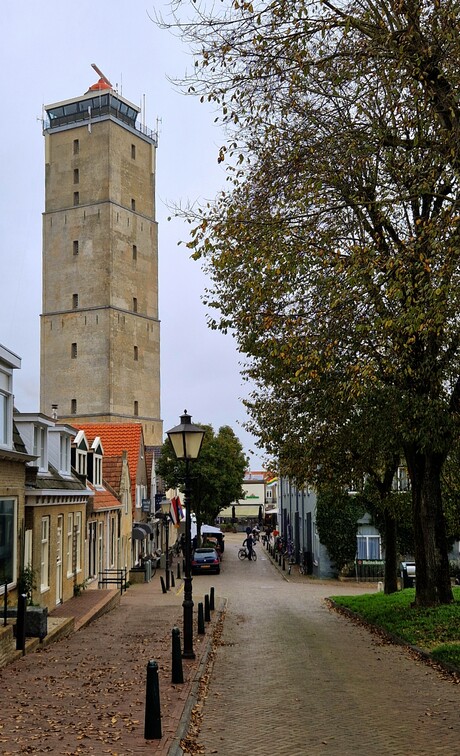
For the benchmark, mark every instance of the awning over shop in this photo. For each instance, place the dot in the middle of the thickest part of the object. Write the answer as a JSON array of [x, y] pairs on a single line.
[[240, 511], [146, 526], [138, 534]]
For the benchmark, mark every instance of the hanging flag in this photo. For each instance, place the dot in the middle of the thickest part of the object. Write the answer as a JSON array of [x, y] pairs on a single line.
[[180, 511], [173, 512]]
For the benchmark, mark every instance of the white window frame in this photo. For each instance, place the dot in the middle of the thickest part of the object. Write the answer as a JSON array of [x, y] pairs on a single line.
[[77, 529], [64, 454], [81, 462], [69, 544], [97, 470], [45, 554], [40, 447], [365, 539]]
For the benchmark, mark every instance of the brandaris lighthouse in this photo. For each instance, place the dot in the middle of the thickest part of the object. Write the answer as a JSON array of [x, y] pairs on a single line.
[[100, 332]]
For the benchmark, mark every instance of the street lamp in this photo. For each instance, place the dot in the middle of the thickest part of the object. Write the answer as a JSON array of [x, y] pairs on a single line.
[[186, 440]]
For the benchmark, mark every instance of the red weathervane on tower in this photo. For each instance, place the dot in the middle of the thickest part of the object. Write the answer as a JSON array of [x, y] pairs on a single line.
[[103, 82]]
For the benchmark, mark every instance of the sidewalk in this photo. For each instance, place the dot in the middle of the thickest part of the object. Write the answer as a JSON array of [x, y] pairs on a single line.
[[86, 694]]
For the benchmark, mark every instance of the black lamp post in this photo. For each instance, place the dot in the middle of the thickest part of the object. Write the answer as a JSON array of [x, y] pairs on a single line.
[[186, 440]]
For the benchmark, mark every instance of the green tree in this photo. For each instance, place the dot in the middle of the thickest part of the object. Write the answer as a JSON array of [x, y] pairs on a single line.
[[216, 477], [335, 251], [337, 515]]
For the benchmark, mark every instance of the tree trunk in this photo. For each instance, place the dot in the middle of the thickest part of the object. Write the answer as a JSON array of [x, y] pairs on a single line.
[[391, 554], [431, 555]]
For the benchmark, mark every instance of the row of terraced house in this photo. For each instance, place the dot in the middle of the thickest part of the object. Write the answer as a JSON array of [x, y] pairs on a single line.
[[75, 500]]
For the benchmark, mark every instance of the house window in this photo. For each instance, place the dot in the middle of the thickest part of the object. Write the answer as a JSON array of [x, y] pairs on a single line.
[[77, 531], [4, 419], [75, 247], [45, 555], [75, 301], [97, 471], [76, 198], [136, 408], [76, 176], [73, 406], [134, 251], [70, 544], [8, 541], [134, 304], [369, 547], [40, 447], [133, 151], [81, 462], [113, 541], [64, 455], [76, 146], [74, 350], [133, 204], [136, 354]]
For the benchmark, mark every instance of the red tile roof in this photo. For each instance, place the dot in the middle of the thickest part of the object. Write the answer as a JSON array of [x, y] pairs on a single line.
[[103, 499], [117, 438]]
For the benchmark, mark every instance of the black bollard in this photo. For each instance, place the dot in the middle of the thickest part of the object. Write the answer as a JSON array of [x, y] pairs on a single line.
[[211, 599], [284, 564], [163, 586], [172, 579], [152, 725], [207, 613], [200, 619], [178, 571], [177, 675], [5, 606], [21, 623]]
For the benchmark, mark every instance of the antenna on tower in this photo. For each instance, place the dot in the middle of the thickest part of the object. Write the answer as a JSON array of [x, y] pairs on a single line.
[[102, 76]]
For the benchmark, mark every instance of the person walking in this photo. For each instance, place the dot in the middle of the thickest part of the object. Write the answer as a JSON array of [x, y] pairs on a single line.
[[249, 545]]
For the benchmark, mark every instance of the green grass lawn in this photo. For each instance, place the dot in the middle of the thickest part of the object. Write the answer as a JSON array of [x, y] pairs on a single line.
[[435, 630]]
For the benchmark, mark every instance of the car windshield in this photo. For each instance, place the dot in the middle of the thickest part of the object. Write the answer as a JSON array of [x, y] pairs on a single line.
[[204, 551]]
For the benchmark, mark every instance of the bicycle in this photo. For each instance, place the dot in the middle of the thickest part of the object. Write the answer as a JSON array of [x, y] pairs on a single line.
[[243, 553]]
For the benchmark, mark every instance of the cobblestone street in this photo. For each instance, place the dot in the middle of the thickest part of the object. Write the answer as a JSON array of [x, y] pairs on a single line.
[[295, 678]]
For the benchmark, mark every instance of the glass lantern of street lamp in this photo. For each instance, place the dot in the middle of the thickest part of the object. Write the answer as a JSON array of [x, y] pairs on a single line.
[[186, 438]]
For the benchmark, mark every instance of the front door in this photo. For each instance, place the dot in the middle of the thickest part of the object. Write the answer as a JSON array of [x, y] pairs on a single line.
[[59, 530]]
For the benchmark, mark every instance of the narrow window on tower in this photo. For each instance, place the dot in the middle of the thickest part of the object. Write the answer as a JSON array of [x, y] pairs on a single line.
[[75, 247], [136, 408], [134, 304], [76, 198], [133, 204], [73, 406], [133, 151], [136, 354], [134, 251], [76, 146], [76, 176], [75, 301], [74, 350]]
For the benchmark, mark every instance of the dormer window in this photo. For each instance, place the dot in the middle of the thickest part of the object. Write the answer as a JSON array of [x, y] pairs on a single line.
[[4, 420], [81, 462], [95, 456], [8, 362], [97, 470], [40, 447], [80, 453], [64, 455]]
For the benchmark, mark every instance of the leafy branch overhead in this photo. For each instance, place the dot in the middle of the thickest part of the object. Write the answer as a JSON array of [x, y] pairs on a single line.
[[334, 253]]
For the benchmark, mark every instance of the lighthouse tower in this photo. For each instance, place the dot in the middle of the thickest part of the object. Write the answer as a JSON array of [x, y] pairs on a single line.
[[100, 332]]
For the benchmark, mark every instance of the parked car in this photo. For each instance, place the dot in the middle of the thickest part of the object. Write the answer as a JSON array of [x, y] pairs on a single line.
[[205, 560]]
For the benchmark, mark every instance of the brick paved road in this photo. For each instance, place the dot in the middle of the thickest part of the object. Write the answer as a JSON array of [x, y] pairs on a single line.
[[292, 678], [86, 694]]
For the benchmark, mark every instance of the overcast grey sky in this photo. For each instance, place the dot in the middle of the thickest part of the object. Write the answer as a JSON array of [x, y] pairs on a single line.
[[46, 54]]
